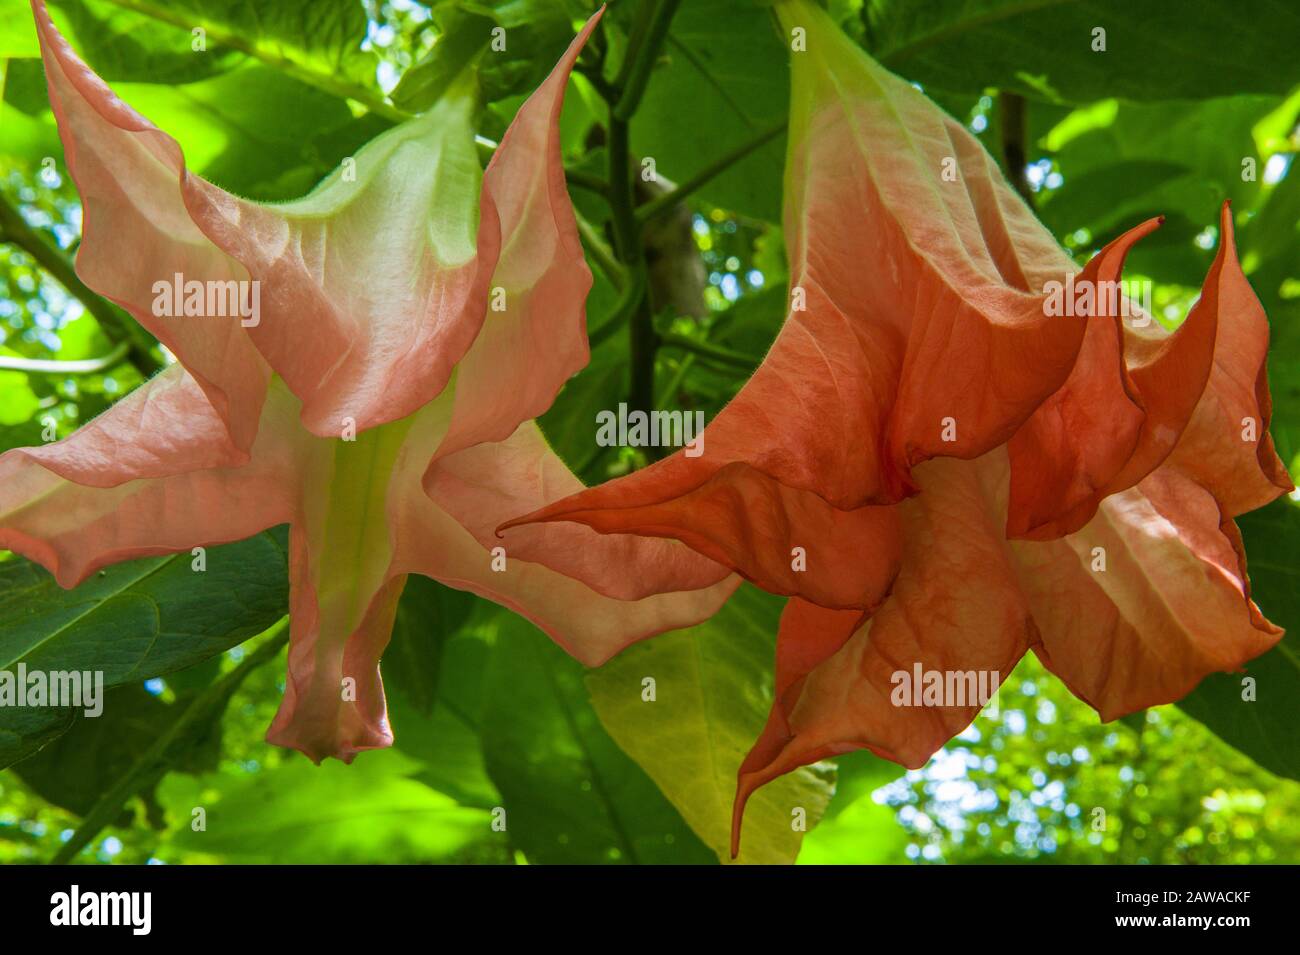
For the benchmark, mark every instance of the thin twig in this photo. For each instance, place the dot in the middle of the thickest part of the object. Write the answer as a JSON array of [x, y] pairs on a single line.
[[675, 382], [708, 351], [116, 325], [84, 366], [627, 245], [655, 17]]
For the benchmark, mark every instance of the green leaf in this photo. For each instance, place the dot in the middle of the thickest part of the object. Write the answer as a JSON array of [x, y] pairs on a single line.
[[570, 794], [78, 767], [132, 621], [1264, 728], [17, 30], [123, 44], [321, 37], [713, 691], [857, 775], [427, 616], [28, 138], [252, 130], [1123, 163], [333, 813], [725, 78], [433, 677], [18, 405], [536, 34], [464, 37], [24, 434], [1154, 50], [449, 749], [865, 833]]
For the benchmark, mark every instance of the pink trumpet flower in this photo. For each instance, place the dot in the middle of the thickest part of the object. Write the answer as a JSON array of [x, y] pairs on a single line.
[[374, 403]]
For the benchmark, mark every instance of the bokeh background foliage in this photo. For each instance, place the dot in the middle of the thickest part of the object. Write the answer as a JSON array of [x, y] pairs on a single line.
[[488, 714]]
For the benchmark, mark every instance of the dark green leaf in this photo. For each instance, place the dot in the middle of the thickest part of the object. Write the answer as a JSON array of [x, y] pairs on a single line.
[[724, 79], [124, 44], [1154, 49], [78, 767], [570, 794], [427, 617], [131, 621]]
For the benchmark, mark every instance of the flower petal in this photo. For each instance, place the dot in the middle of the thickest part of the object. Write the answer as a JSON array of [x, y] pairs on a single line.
[[1226, 447], [956, 607], [786, 540], [593, 594], [861, 383], [366, 331], [479, 484], [1130, 398], [322, 713], [343, 585], [1147, 599], [136, 231], [1132, 611], [535, 333], [151, 475], [336, 306]]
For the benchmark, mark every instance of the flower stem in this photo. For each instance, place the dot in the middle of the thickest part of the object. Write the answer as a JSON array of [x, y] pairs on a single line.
[[637, 73]]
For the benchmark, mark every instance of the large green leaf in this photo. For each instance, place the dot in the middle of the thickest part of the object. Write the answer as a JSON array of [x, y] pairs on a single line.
[[132, 621], [856, 829], [1264, 728], [299, 813], [865, 833], [464, 36], [252, 130], [123, 44], [76, 769], [321, 37], [724, 80], [428, 615], [570, 794], [1154, 49], [29, 138], [713, 690]]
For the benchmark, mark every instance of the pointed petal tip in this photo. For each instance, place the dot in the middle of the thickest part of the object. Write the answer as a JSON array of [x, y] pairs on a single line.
[[318, 750], [743, 792]]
